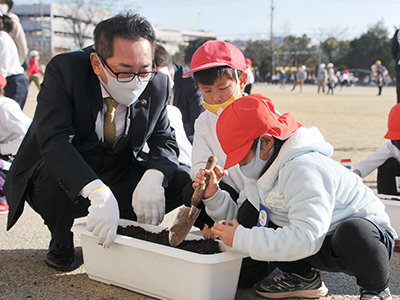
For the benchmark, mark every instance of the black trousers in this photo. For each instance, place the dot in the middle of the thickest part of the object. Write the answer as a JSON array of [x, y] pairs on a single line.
[[17, 88], [358, 248], [386, 177], [47, 198], [398, 82], [247, 88]]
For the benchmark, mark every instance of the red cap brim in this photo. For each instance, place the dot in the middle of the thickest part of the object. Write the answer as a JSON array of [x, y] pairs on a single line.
[[205, 67], [237, 155]]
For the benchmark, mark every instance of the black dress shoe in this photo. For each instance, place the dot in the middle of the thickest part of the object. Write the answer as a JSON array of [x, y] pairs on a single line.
[[61, 258]]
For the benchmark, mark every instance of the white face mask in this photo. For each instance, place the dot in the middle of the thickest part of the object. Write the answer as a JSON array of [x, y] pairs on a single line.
[[4, 8], [124, 93], [256, 165]]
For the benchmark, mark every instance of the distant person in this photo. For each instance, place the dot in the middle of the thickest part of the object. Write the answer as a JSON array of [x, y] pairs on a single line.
[[386, 158], [268, 78], [185, 94], [250, 80], [322, 77], [13, 126], [396, 57], [345, 78], [283, 79], [379, 72], [34, 71], [300, 77], [332, 79], [17, 32], [10, 66]]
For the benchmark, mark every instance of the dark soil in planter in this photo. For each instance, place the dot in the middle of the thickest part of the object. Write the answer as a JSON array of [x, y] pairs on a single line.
[[197, 246]]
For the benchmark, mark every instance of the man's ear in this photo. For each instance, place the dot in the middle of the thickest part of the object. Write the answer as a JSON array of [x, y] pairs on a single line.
[[97, 67], [243, 80], [94, 60]]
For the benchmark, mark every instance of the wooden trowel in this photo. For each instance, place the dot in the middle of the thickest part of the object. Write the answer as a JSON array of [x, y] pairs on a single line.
[[188, 215]]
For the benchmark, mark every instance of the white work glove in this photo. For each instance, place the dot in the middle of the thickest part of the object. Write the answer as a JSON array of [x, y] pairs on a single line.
[[103, 217], [148, 199]]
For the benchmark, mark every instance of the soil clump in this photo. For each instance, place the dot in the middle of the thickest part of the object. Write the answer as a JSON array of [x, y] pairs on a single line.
[[197, 246]]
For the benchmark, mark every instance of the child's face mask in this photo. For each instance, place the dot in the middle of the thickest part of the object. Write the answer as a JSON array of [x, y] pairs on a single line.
[[218, 108], [256, 165]]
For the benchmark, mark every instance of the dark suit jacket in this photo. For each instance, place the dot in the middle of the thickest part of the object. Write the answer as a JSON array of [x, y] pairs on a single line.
[[64, 127], [187, 98]]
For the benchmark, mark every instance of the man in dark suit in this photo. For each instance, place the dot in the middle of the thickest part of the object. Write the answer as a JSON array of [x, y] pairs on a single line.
[[186, 95], [395, 44], [82, 154]]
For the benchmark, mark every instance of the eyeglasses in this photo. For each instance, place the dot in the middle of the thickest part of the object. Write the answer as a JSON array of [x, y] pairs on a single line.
[[126, 77]]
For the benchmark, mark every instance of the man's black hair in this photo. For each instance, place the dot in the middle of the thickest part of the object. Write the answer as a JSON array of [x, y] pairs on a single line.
[[128, 26]]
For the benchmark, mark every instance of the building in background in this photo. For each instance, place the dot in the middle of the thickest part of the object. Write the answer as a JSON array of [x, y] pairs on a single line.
[[56, 28]]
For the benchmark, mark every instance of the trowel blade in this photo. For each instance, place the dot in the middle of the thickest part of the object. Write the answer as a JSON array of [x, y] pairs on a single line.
[[183, 223]]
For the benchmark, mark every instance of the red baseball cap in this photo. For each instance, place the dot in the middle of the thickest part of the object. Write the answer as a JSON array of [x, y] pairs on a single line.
[[245, 120], [394, 124], [216, 54], [249, 62], [3, 81]]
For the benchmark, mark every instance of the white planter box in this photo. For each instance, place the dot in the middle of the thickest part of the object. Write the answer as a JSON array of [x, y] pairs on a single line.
[[392, 208], [161, 271]]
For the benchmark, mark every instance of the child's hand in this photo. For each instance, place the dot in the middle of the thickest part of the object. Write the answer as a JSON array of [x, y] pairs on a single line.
[[225, 233], [215, 177]]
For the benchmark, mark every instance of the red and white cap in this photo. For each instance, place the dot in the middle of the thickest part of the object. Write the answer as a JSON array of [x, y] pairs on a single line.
[[394, 124], [216, 54], [245, 120], [3, 81]]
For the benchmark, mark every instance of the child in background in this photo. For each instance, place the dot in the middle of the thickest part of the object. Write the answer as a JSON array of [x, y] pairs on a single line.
[[250, 79], [219, 71], [332, 80], [313, 212], [301, 76], [13, 126], [386, 158], [34, 70], [322, 77]]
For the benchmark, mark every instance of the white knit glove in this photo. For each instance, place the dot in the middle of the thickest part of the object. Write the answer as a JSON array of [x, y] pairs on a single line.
[[148, 199], [103, 217]]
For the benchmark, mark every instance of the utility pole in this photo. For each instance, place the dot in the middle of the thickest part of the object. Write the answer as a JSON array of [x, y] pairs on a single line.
[[272, 36], [41, 26]]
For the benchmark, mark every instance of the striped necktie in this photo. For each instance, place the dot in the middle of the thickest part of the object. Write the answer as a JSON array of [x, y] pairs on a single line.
[[109, 122]]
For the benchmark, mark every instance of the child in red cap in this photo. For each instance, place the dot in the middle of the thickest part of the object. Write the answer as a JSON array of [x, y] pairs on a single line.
[[313, 212], [219, 71], [386, 158], [13, 126]]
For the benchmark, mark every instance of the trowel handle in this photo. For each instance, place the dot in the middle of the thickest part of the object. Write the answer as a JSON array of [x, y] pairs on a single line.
[[199, 191]]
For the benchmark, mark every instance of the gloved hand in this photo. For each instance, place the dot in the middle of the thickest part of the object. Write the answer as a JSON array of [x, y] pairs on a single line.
[[103, 217], [148, 199]]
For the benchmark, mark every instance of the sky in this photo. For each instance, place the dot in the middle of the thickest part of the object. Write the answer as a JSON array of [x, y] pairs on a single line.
[[251, 19]]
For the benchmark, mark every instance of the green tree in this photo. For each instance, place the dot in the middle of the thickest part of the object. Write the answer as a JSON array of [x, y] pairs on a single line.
[[260, 54], [335, 51], [293, 43], [369, 47]]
